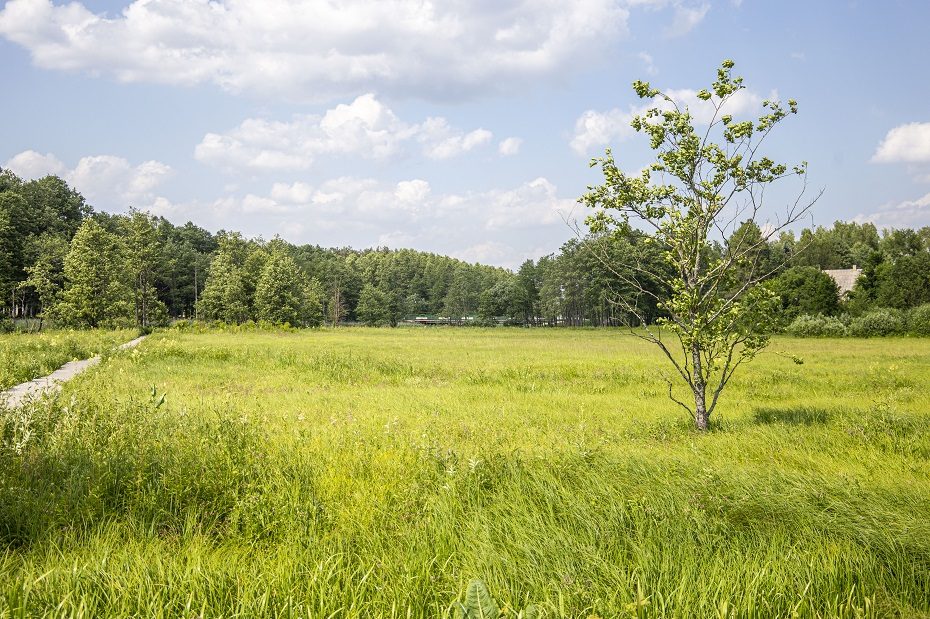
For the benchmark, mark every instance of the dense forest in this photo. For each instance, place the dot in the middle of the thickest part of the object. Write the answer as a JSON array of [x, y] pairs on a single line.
[[63, 262]]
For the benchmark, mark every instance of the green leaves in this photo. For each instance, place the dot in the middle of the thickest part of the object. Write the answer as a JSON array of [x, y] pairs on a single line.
[[283, 294], [480, 605], [98, 287], [644, 90], [714, 307], [156, 400]]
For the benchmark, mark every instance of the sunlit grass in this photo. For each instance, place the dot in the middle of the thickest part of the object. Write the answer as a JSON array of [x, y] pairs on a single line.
[[373, 473], [24, 356]]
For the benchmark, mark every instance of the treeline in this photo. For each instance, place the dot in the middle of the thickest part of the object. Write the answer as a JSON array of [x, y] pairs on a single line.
[[574, 286], [61, 261]]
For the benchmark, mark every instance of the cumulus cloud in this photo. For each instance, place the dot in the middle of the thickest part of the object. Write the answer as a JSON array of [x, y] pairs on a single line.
[[509, 146], [598, 129], [595, 128], [364, 128], [490, 252], [530, 204], [440, 141], [107, 181], [686, 19], [648, 63], [30, 164], [316, 49], [368, 212], [906, 214], [908, 143]]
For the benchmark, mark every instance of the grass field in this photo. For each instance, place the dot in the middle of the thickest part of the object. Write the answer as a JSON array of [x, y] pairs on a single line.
[[373, 473], [24, 356]]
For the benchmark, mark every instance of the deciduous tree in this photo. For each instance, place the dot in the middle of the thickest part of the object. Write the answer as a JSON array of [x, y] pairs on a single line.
[[703, 185], [224, 295], [806, 290], [283, 293], [374, 306], [97, 290]]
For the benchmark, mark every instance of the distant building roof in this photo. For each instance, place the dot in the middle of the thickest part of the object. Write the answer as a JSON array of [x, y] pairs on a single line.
[[845, 278]]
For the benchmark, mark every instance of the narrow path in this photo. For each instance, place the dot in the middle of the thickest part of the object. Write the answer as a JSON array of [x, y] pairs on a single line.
[[15, 396]]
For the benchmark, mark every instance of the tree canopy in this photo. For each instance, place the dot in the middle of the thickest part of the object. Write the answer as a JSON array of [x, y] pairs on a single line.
[[700, 204], [166, 271]]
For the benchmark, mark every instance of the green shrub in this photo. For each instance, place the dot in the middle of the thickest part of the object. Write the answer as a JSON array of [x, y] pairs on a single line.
[[878, 323], [918, 320], [816, 326], [806, 290]]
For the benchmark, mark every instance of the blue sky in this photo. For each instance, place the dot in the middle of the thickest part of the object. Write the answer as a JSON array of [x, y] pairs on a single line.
[[457, 127]]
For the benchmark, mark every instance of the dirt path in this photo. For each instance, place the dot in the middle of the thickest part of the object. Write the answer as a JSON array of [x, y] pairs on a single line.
[[15, 396]]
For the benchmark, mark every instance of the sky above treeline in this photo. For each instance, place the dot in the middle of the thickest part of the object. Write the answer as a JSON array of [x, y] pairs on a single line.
[[460, 127]]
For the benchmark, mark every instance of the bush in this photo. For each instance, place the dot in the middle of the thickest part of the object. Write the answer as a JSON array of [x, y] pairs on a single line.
[[878, 323], [806, 290], [918, 320], [816, 326]]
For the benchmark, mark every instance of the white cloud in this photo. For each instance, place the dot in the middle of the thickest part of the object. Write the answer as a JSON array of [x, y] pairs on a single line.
[[365, 128], [490, 252], [509, 146], [743, 102], [106, 181], [595, 128], [166, 208], [686, 19], [906, 214], [296, 193], [317, 49], [412, 192], [531, 204], [114, 182], [30, 164], [440, 141], [908, 143], [598, 129], [368, 212], [648, 62]]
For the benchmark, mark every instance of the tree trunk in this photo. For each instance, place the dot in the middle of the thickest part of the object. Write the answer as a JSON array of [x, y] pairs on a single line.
[[700, 391], [700, 409]]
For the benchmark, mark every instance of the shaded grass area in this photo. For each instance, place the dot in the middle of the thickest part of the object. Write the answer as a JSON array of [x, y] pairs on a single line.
[[24, 356], [373, 473]]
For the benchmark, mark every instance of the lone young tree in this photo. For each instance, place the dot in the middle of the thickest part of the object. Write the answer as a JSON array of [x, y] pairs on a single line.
[[703, 187]]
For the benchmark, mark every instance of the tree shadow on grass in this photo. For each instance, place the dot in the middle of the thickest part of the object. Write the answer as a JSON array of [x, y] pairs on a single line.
[[795, 415]]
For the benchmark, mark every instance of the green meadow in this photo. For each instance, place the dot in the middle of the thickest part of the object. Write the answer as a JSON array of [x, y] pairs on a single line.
[[24, 356], [376, 472]]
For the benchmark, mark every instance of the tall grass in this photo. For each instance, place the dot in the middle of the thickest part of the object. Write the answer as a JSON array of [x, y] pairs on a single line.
[[24, 356], [374, 473]]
